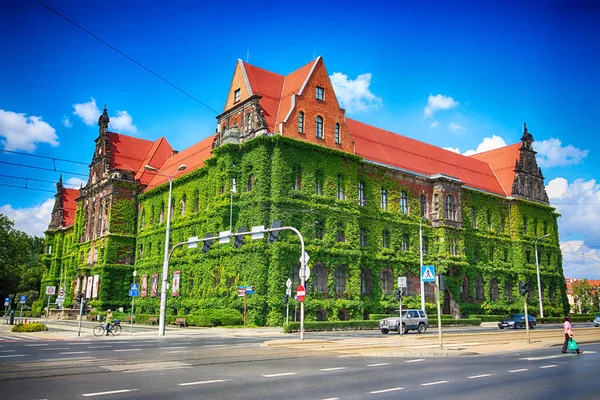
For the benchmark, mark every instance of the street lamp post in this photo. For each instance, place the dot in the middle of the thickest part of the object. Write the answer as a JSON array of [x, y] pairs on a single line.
[[537, 267], [165, 270], [421, 264]]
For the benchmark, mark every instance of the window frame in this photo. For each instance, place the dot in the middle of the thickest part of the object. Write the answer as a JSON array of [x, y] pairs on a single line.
[[362, 200], [301, 122], [404, 202], [237, 95], [320, 93], [319, 134], [450, 207], [384, 199], [338, 138]]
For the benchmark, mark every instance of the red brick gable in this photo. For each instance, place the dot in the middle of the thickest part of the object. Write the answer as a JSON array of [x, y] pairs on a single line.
[[385, 147], [268, 85], [292, 85], [502, 161]]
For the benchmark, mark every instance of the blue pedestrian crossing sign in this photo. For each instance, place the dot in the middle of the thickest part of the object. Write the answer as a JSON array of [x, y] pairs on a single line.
[[133, 292], [428, 273], [134, 286]]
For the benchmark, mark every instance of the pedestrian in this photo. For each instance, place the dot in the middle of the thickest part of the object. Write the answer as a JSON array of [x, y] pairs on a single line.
[[568, 334]]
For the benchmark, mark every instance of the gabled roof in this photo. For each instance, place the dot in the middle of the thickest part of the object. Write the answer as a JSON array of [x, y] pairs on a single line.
[[268, 85], [293, 84], [193, 157], [127, 152], [69, 197], [385, 147], [502, 161]]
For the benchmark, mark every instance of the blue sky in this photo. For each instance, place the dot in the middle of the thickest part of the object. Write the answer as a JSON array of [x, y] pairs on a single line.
[[463, 76]]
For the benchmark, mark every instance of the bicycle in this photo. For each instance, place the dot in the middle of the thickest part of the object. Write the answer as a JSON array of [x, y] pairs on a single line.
[[115, 329]]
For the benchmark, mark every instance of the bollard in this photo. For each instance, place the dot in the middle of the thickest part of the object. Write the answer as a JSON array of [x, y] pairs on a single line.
[[11, 317], [25, 321]]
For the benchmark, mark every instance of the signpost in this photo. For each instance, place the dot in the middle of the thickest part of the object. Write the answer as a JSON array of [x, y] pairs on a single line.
[[288, 294], [428, 274], [22, 300], [133, 292], [242, 292], [401, 290], [50, 291]]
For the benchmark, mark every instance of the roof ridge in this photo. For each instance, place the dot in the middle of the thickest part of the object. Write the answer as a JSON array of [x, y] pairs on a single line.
[[262, 69]]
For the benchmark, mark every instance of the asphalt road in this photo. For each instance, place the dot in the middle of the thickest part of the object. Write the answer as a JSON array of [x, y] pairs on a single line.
[[180, 370]]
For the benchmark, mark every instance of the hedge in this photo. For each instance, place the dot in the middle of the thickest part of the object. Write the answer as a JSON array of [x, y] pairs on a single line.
[[370, 324], [574, 318], [455, 322], [28, 328], [206, 318]]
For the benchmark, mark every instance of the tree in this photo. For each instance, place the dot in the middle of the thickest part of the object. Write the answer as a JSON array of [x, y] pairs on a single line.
[[586, 294]]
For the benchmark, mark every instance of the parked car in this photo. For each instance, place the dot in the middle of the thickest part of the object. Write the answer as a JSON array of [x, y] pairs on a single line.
[[415, 320], [597, 321], [517, 321]]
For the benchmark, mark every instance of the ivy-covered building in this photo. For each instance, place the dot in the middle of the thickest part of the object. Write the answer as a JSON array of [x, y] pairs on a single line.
[[357, 193]]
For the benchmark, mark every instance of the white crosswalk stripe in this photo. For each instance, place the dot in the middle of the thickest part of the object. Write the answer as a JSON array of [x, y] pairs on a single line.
[[18, 338]]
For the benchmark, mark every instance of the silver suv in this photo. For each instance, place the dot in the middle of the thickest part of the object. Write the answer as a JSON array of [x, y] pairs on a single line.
[[415, 320]]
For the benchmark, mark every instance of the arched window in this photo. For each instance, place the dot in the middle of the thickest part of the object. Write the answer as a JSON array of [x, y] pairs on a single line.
[[479, 294], [300, 122], [423, 205], [494, 295], [250, 184], [387, 282], [404, 202], [508, 288], [319, 128], [340, 280], [320, 279], [450, 208], [338, 138], [321, 315], [464, 289], [365, 282], [182, 203]]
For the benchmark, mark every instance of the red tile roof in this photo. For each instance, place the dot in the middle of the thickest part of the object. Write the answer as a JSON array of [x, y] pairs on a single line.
[[69, 205], [385, 147], [127, 152], [268, 85], [292, 85], [502, 161]]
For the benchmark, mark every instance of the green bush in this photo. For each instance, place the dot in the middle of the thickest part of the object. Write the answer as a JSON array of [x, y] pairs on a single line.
[[574, 318], [377, 317], [332, 326], [455, 322], [29, 328], [214, 317]]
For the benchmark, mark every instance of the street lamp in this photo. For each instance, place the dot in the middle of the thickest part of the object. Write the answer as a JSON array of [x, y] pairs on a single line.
[[165, 270], [537, 266]]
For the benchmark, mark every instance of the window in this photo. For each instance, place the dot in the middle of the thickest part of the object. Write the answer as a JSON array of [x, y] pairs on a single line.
[[476, 255], [362, 200], [142, 220], [191, 282], [384, 199], [338, 138], [385, 239], [161, 216], [320, 279], [508, 289], [182, 203], [300, 122], [405, 241], [250, 184], [452, 246], [450, 208], [525, 225], [340, 188], [425, 245], [494, 293], [237, 95], [474, 216], [502, 224], [196, 202], [423, 205], [491, 257], [297, 178], [464, 289], [340, 237], [321, 315], [365, 282], [319, 181], [387, 283], [340, 279], [363, 237], [535, 224], [248, 122], [320, 93], [545, 227], [319, 229], [505, 255], [319, 128], [404, 202], [488, 216]]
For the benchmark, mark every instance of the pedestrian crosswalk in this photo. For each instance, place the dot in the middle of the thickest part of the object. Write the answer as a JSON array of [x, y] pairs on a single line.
[[15, 337]]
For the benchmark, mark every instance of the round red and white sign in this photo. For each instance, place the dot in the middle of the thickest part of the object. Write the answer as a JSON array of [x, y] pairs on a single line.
[[300, 293]]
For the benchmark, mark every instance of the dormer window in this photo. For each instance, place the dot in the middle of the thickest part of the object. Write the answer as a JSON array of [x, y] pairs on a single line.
[[237, 95], [320, 93]]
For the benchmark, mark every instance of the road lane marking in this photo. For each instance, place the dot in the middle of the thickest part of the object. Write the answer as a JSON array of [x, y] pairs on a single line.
[[73, 352], [78, 343], [479, 376], [386, 390], [177, 351], [541, 358], [173, 347], [332, 369], [13, 355], [417, 360], [128, 349], [281, 374], [55, 348], [99, 347], [548, 366], [433, 383], [377, 365], [203, 382], [105, 393], [7, 351], [519, 370], [36, 345]]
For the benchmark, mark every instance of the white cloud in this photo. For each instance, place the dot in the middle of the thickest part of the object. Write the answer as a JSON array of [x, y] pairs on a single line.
[[455, 127], [67, 123], [487, 144], [579, 260], [123, 122], [88, 112], [551, 153], [354, 95], [75, 183], [438, 102], [21, 132], [33, 221], [453, 149], [434, 124]]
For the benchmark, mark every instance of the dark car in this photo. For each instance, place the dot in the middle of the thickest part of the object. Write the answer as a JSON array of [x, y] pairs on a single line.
[[516, 321]]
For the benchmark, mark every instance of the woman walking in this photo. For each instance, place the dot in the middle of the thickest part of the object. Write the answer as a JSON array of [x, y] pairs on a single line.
[[568, 334]]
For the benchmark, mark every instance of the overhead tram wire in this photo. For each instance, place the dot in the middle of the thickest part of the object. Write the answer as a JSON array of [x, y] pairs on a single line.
[[28, 188], [126, 56], [35, 180], [43, 169], [45, 157]]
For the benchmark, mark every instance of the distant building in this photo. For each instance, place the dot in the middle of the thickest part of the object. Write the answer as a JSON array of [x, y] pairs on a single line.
[[574, 304], [357, 193]]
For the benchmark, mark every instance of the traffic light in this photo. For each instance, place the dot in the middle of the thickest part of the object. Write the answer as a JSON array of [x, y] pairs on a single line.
[[207, 243], [523, 288], [239, 239], [274, 235], [286, 298], [398, 294], [442, 283]]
